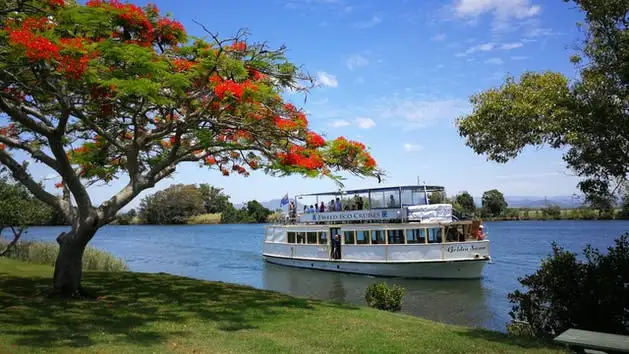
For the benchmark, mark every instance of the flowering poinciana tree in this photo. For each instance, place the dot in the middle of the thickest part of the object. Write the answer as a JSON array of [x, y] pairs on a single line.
[[109, 89]]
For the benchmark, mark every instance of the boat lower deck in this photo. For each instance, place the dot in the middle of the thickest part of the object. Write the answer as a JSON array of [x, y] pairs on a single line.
[[453, 269]]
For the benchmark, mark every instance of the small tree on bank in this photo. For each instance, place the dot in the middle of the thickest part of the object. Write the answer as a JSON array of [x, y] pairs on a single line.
[[107, 90], [465, 202], [494, 203], [566, 292]]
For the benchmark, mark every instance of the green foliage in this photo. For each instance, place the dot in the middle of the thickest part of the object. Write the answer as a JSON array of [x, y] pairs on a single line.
[[46, 253], [214, 200], [494, 203], [566, 292], [588, 117], [257, 211], [173, 205], [205, 219], [383, 297], [436, 197], [551, 212], [126, 218], [624, 212], [465, 203]]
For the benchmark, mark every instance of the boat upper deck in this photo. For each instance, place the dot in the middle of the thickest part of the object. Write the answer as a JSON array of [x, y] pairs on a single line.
[[399, 203]]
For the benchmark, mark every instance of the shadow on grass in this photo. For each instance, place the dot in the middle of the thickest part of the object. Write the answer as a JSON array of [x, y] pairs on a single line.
[[136, 308], [511, 340]]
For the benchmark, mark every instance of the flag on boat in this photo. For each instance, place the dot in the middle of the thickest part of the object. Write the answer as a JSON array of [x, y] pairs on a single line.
[[284, 200]]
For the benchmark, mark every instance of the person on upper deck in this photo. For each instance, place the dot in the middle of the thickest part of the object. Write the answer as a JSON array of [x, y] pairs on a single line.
[[305, 209], [359, 203], [331, 206], [322, 207], [311, 209], [391, 201], [338, 205]]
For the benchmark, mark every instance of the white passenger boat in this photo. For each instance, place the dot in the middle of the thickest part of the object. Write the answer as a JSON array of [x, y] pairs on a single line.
[[391, 232]]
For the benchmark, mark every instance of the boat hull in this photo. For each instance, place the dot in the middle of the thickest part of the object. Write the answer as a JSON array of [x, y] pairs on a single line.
[[459, 269]]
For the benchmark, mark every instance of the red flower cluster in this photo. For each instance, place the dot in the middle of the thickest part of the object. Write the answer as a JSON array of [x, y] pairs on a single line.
[[182, 65], [284, 124], [37, 47], [210, 160], [300, 157], [314, 140], [2, 146], [55, 3], [241, 170], [59, 185], [169, 31], [239, 46], [235, 89], [256, 75]]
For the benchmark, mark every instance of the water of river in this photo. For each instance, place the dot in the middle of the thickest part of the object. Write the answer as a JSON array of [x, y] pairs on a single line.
[[232, 253]]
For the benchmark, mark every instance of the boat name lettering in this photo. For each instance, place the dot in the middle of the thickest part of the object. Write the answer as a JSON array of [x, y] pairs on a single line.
[[465, 248], [351, 215]]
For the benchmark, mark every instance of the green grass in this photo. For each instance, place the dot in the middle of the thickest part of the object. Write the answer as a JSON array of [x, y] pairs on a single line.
[[205, 219], [46, 253], [161, 313]]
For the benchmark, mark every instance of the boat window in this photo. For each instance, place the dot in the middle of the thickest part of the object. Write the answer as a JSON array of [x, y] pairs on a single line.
[[434, 235], [376, 200], [362, 237], [454, 234], [301, 237], [395, 236], [377, 237], [407, 197], [323, 238], [416, 236], [419, 197], [291, 237], [349, 237], [392, 198], [312, 237]]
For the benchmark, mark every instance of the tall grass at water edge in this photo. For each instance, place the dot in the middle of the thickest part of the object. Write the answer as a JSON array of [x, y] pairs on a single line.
[[46, 253]]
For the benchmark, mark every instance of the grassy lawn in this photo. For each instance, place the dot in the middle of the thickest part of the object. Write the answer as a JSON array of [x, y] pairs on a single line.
[[163, 313]]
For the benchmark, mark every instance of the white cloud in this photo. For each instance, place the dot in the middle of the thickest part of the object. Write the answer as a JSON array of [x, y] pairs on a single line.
[[503, 11], [494, 61], [374, 21], [412, 147], [327, 79], [487, 47], [509, 46], [356, 61], [439, 37], [339, 123], [365, 123], [420, 113]]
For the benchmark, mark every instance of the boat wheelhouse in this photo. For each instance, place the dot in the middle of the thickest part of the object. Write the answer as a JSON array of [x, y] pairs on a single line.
[[390, 231]]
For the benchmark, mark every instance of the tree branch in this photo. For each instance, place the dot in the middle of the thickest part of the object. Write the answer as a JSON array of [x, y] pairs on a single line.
[[36, 154], [18, 114], [16, 237], [20, 174], [70, 178]]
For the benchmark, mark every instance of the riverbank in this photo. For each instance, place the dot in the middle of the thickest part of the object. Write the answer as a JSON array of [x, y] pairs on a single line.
[[139, 312]]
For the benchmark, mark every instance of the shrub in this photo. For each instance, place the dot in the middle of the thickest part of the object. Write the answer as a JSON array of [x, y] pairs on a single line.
[[205, 219], [46, 253], [567, 292], [383, 297], [551, 212]]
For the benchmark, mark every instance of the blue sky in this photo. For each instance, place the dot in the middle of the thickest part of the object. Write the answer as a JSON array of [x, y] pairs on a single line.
[[395, 75]]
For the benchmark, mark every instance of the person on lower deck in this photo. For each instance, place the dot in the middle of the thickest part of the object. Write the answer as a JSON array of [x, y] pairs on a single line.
[[336, 247]]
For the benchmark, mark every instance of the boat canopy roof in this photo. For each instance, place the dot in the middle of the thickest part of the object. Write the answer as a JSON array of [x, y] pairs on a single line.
[[380, 189]]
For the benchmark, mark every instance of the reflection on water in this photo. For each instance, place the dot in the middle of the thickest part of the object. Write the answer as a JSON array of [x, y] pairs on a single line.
[[452, 301]]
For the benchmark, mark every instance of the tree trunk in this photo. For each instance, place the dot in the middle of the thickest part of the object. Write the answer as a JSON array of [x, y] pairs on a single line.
[[69, 263]]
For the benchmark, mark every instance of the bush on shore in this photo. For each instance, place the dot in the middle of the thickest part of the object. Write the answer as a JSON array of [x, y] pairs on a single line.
[[205, 219], [46, 253]]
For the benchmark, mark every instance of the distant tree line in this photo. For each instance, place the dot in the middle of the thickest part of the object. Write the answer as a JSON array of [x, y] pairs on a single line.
[[179, 203], [494, 206]]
